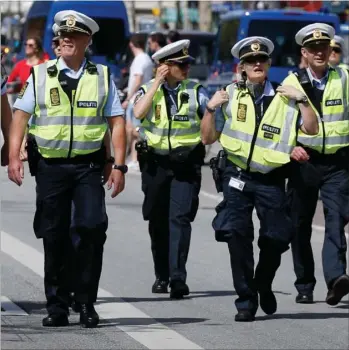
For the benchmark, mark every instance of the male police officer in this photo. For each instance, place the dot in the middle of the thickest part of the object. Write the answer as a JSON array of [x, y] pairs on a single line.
[[324, 167], [171, 108], [337, 52], [72, 100]]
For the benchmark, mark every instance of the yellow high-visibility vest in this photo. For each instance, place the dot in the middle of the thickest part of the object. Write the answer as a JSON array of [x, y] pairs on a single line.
[[334, 121], [263, 148], [163, 132], [62, 129]]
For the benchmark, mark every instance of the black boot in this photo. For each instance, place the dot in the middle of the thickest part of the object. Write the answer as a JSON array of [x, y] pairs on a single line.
[[178, 289], [159, 286], [244, 316], [88, 316], [303, 298], [55, 320], [340, 288]]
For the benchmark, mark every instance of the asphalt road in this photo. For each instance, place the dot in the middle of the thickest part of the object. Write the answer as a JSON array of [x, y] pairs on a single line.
[[132, 317]]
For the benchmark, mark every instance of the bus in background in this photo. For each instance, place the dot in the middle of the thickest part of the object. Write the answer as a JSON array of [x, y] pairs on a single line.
[[344, 33], [280, 26], [108, 43]]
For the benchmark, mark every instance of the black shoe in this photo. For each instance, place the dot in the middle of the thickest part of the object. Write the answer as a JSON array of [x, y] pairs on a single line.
[[339, 289], [178, 289], [88, 316], [159, 287], [244, 316], [267, 302], [305, 298], [55, 320]]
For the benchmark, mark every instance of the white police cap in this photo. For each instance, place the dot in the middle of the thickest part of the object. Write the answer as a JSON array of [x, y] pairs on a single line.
[[315, 33], [337, 41], [55, 29], [72, 21], [175, 52], [252, 46]]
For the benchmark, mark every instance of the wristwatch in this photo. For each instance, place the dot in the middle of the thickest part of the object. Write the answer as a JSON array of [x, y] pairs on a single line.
[[122, 168], [304, 99], [211, 110]]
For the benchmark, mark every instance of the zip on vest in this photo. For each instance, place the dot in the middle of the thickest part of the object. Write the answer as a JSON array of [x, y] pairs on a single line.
[[71, 121]]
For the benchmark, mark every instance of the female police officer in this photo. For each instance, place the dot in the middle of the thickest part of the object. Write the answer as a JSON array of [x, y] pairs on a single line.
[[257, 129], [171, 108]]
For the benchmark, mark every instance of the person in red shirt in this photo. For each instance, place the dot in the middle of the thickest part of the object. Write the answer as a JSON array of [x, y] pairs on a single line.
[[21, 71]]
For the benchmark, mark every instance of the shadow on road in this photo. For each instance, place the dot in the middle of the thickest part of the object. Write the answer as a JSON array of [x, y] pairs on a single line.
[[149, 321], [304, 316]]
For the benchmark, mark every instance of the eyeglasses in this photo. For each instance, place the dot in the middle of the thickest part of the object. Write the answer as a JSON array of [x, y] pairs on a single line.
[[336, 50], [255, 59], [29, 45]]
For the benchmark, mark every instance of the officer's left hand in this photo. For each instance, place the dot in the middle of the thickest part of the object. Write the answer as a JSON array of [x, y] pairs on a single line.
[[290, 92], [116, 179]]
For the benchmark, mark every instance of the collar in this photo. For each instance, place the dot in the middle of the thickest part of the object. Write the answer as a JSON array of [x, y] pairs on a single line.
[[321, 81], [63, 66], [268, 91], [165, 85]]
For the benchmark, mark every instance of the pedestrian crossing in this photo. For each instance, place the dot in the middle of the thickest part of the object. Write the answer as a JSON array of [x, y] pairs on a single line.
[[151, 334]]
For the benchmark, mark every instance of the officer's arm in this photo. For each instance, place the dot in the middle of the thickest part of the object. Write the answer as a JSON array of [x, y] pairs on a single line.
[[310, 123], [144, 103], [24, 106]]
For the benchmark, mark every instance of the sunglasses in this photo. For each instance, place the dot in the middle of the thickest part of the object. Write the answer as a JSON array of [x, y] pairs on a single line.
[[181, 65], [255, 59], [29, 45], [336, 50]]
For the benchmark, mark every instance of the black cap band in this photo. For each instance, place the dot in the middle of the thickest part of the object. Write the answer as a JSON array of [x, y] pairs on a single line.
[[254, 48], [77, 25], [316, 36]]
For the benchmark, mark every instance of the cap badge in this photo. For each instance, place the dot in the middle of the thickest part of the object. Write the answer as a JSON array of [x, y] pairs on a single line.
[[333, 43], [255, 47], [71, 21], [185, 51], [317, 34]]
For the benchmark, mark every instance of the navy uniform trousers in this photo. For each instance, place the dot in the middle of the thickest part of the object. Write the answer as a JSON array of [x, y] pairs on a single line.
[[327, 174], [233, 224], [59, 184], [170, 204]]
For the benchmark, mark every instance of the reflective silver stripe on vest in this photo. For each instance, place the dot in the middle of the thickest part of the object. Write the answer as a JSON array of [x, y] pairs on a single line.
[[336, 117], [41, 89], [101, 90], [43, 121], [60, 144], [317, 141]]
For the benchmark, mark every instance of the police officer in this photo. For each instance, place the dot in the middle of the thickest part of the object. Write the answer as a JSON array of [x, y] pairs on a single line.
[[55, 40], [170, 108], [337, 52], [256, 127], [324, 167], [73, 102]]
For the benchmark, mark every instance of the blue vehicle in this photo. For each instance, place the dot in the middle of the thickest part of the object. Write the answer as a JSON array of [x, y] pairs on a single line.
[[108, 44], [280, 26], [344, 33]]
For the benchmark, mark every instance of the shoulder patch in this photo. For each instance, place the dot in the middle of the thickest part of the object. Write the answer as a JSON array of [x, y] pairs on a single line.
[[24, 88]]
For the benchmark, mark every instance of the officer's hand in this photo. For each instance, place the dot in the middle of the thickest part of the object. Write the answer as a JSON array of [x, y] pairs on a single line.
[[218, 99], [161, 73], [116, 179], [4, 154], [299, 154], [290, 92], [16, 171]]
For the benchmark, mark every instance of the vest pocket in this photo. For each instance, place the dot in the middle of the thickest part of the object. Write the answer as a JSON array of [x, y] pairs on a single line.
[[234, 145], [274, 158]]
